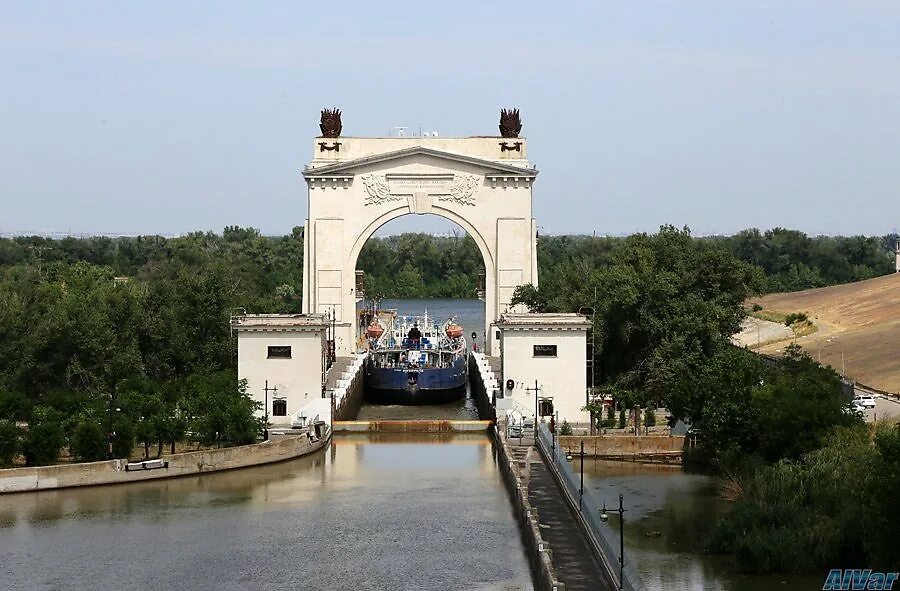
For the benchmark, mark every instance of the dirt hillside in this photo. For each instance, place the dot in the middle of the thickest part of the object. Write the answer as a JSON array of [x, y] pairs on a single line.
[[862, 319]]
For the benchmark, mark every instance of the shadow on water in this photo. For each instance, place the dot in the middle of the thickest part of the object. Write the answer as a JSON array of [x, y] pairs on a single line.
[[670, 515]]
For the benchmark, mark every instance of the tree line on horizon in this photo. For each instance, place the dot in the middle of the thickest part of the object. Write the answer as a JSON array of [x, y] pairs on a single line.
[[418, 265]]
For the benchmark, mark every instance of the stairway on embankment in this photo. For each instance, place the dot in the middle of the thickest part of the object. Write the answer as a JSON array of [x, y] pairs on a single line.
[[344, 380]]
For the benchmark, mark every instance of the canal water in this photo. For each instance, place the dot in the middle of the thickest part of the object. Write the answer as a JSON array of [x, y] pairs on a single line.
[[399, 511], [669, 517], [470, 315]]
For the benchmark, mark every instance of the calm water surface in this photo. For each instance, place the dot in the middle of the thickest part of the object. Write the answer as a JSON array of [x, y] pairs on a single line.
[[401, 511], [669, 516]]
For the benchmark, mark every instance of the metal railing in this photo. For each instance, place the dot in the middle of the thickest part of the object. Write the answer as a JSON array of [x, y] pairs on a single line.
[[603, 536]]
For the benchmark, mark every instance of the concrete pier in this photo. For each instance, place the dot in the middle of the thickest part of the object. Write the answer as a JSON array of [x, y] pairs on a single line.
[[574, 560]]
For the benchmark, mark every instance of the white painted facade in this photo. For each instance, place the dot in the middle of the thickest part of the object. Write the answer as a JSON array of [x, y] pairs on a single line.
[[297, 375], [356, 185], [561, 376], [897, 256]]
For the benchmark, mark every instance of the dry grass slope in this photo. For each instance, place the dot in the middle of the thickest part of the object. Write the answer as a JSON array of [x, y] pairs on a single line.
[[864, 317]]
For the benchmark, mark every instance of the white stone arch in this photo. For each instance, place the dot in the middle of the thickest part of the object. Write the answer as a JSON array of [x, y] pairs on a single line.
[[356, 185]]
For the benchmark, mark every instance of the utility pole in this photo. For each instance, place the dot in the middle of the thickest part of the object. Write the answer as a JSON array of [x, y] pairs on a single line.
[[581, 490], [273, 390], [603, 517], [536, 390]]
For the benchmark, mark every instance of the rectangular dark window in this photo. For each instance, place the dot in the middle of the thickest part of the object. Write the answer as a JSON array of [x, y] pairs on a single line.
[[280, 352], [545, 350], [279, 408]]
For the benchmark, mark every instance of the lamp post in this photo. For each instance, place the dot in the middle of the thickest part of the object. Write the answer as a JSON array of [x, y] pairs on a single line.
[[604, 517], [333, 336], [833, 340], [109, 429], [581, 488], [273, 390], [536, 389]]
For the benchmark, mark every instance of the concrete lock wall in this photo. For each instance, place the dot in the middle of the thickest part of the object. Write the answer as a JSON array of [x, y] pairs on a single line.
[[537, 548], [184, 464], [623, 445]]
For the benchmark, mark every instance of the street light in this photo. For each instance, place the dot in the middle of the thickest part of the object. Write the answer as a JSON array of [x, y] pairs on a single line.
[[581, 489], [833, 340], [273, 390], [109, 431], [537, 390], [604, 517]]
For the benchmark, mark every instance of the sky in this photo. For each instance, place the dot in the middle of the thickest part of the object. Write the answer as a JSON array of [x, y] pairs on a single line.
[[164, 117]]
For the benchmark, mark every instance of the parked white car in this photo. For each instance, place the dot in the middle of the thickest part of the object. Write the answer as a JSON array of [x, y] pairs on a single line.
[[864, 400]]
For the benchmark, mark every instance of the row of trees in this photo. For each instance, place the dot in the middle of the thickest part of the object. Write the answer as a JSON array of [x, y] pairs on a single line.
[[86, 353], [665, 308], [791, 260], [421, 266]]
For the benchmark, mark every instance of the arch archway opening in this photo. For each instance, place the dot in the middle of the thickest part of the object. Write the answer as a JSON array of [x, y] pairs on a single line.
[[411, 265], [419, 263]]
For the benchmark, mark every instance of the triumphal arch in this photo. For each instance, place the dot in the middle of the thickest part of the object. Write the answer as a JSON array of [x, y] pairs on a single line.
[[358, 184]]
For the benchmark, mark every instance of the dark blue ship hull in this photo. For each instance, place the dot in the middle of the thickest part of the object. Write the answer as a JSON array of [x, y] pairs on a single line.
[[399, 385]]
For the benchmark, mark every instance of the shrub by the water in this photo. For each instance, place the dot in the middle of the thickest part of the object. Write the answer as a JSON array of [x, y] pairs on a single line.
[[622, 421], [88, 443], [44, 438], [830, 508], [650, 417], [565, 428], [9, 442]]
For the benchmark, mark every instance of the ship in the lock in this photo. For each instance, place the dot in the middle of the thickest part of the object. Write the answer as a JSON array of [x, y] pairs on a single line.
[[414, 360]]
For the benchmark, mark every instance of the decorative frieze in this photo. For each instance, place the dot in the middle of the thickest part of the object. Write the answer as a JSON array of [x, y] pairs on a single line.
[[456, 188]]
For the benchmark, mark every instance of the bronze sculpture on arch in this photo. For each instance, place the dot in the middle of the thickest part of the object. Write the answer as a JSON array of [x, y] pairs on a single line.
[[510, 123], [330, 122]]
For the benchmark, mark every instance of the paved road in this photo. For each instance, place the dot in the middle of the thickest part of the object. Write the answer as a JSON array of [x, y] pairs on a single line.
[[755, 332], [884, 409]]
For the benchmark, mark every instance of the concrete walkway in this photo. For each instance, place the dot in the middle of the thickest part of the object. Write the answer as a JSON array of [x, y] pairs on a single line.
[[572, 555]]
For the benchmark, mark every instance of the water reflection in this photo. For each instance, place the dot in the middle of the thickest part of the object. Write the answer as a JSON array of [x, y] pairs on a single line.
[[400, 511], [670, 515]]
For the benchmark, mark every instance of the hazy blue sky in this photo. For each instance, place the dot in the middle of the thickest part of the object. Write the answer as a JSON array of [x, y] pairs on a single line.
[[168, 117]]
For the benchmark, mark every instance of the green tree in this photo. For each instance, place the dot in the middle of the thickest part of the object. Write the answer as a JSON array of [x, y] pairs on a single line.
[[88, 443], [44, 438], [221, 410], [10, 443], [801, 403], [123, 437]]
